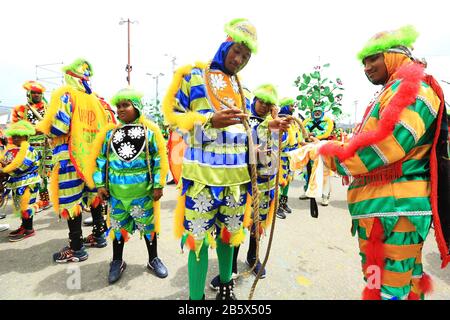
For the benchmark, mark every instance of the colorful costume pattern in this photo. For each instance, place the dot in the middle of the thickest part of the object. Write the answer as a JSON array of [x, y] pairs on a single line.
[[129, 182], [74, 118], [389, 162], [38, 142], [24, 180]]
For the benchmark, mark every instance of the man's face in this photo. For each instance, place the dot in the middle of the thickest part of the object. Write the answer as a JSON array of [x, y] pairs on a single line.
[[262, 108], [36, 97], [237, 58], [375, 69], [317, 114], [126, 112]]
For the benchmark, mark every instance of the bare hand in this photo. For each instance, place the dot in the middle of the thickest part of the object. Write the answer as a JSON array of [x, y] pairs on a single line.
[[157, 194], [281, 124], [103, 193], [227, 117]]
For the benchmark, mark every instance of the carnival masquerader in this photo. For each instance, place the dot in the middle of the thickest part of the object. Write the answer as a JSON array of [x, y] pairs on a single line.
[[73, 119], [320, 127], [263, 116], [20, 166], [206, 101], [32, 112], [291, 140], [131, 162], [396, 161]]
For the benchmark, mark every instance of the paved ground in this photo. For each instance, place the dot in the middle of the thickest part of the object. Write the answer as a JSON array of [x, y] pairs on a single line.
[[310, 259]]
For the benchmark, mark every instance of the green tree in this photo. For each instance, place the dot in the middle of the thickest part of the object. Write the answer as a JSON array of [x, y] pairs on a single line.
[[318, 90], [152, 110]]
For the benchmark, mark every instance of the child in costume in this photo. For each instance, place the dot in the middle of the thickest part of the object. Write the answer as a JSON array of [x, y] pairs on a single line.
[[32, 112], [74, 118], [262, 118], [396, 161], [320, 126], [20, 165], [290, 141], [131, 172]]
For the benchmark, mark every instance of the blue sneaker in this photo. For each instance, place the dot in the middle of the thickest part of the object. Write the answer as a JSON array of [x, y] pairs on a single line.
[[66, 254], [116, 268], [158, 268], [97, 242], [251, 262]]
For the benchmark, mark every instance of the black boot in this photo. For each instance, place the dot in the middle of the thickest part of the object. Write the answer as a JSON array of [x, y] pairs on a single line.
[[226, 291], [284, 205]]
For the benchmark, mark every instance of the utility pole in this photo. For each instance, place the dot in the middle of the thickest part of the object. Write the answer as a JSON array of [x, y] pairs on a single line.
[[128, 67], [156, 77], [356, 108], [173, 59]]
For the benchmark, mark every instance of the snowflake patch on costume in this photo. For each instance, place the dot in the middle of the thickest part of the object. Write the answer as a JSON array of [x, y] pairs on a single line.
[[128, 142]]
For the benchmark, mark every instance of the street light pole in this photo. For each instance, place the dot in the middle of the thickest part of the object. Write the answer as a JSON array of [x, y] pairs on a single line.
[[356, 108], [156, 77], [173, 59], [128, 67]]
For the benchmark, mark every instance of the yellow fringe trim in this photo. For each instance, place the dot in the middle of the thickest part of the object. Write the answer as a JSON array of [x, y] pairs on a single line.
[[211, 240], [291, 135], [179, 216], [248, 212], [156, 215], [96, 149], [269, 219], [54, 187], [162, 149], [330, 126], [25, 199], [45, 124], [237, 238], [182, 121], [18, 160]]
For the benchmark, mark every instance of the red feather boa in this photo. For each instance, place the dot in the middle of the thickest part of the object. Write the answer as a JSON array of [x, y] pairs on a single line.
[[411, 76]]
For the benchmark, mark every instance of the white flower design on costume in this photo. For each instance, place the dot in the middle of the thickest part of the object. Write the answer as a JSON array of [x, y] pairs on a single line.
[[127, 150], [231, 202], [217, 82], [137, 212], [234, 84], [140, 226], [198, 228], [253, 122], [115, 224], [136, 133], [202, 203], [118, 136], [233, 223]]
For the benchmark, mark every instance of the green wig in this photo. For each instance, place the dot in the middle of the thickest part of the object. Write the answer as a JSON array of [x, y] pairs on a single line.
[[242, 31], [78, 67], [266, 93], [21, 128], [383, 41], [129, 94], [286, 102]]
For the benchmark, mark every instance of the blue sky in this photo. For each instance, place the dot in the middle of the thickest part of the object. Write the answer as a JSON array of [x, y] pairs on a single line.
[[294, 36]]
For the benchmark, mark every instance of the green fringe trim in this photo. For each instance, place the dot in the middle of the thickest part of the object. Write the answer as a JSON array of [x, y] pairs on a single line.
[[405, 36], [286, 102], [74, 66], [267, 93], [20, 128], [241, 37]]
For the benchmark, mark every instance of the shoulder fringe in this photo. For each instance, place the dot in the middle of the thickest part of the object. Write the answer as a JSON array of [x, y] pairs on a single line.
[[18, 160], [96, 148], [45, 124], [183, 121]]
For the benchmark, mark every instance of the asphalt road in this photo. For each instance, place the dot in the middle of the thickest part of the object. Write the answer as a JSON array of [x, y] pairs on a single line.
[[310, 259]]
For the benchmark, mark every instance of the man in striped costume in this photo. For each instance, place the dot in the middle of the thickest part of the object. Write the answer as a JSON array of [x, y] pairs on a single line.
[[389, 162], [73, 119], [208, 104], [32, 112]]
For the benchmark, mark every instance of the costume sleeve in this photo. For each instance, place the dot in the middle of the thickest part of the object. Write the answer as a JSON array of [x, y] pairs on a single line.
[[17, 114], [412, 135], [327, 130], [100, 171], [60, 124], [155, 160]]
